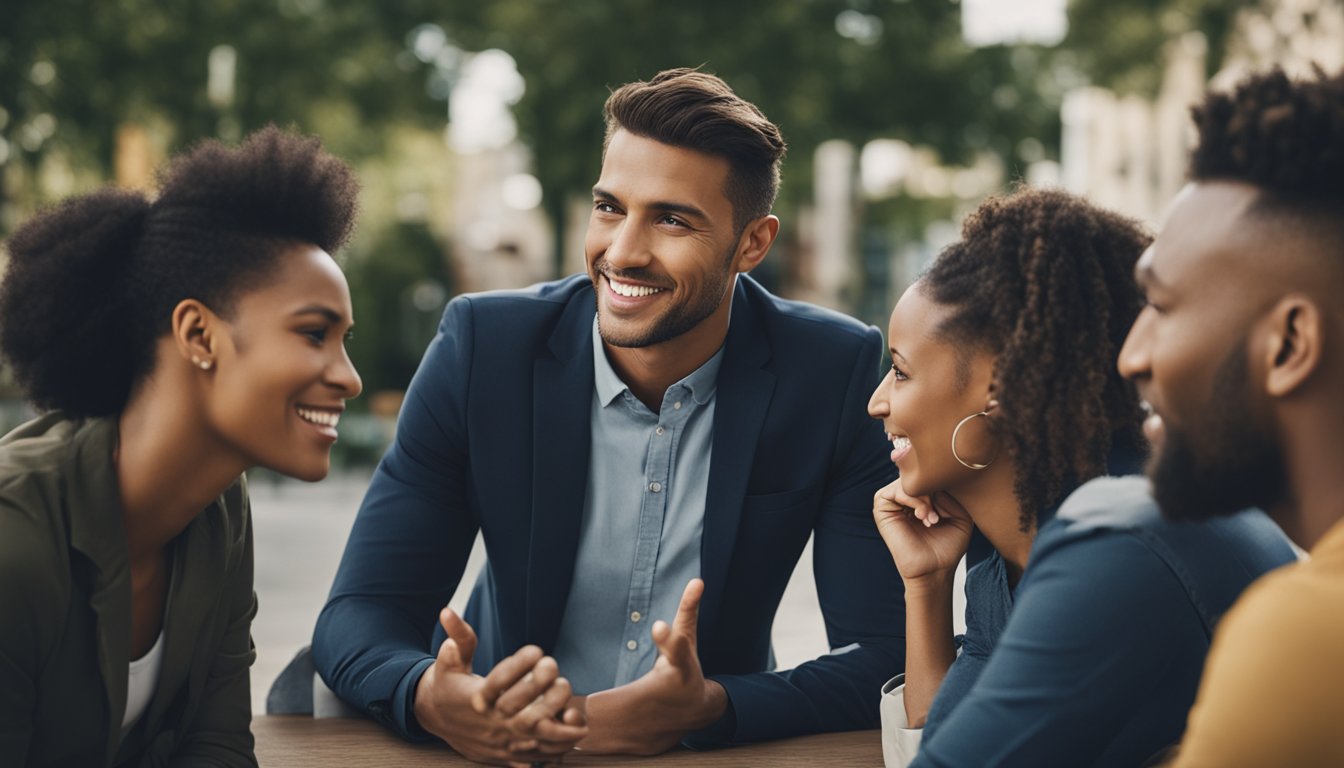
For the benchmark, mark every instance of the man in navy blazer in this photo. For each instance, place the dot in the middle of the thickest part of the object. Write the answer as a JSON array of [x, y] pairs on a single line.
[[656, 439]]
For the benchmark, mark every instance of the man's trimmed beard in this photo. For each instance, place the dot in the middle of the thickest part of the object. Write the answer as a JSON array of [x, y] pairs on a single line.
[[678, 319], [1224, 462]]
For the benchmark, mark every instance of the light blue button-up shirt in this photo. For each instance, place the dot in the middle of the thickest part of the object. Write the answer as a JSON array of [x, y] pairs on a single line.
[[643, 514]]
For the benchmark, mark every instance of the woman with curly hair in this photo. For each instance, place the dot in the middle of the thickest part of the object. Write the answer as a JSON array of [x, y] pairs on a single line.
[[172, 344], [1087, 623]]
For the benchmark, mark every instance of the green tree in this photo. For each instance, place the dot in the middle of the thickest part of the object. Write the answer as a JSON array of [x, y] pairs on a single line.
[[901, 70], [1121, 45]]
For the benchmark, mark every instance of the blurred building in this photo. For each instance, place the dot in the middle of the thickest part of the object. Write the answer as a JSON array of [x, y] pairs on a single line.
[[503, 239], [1129, 153]]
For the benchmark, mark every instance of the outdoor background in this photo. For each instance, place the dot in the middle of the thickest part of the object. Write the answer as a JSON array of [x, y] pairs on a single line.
[[476, 131]]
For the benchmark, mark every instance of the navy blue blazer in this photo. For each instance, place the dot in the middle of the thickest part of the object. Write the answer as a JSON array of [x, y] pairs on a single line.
[[494, 436]]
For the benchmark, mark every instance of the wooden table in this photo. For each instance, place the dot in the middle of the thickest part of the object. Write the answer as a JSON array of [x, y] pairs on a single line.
[[299, 741]]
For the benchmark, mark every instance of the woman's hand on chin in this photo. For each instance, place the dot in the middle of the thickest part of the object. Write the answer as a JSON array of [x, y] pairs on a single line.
[[927, 536]]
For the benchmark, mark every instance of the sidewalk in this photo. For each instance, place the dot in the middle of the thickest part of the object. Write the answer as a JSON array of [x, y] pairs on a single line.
[[301, 530]]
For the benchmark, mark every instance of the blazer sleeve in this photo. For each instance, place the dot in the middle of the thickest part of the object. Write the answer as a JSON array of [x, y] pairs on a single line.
[[1089, 633], [220, 732], [860, 591], [409, 544]]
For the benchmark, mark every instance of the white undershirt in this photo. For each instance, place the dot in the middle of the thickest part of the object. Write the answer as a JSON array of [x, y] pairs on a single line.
[[144, 676]]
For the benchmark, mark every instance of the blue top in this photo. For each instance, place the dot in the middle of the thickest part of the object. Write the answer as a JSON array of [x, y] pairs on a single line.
[[495, 436], [1100, 658], [643, 514]]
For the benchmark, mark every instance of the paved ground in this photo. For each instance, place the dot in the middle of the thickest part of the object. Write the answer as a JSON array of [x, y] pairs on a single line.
[[300, 534]]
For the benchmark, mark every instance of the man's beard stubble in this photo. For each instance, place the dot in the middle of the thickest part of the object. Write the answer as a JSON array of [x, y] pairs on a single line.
[[1223, 463], [674, 322]]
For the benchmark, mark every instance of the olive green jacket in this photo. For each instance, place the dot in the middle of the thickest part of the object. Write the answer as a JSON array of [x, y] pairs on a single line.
[[65, 614]]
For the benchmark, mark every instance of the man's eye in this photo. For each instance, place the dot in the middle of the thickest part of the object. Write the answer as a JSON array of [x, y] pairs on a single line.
[[672, 220], [604, 207]]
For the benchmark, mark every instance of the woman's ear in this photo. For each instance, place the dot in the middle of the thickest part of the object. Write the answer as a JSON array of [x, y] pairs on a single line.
[[194, 329]]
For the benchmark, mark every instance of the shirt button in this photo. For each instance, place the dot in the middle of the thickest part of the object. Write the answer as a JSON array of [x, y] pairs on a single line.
[[676, 406], [634, 616], [655, 487], [631, 644], [659, 431]]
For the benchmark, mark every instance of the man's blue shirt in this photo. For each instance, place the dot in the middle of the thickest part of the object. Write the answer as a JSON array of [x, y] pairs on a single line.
[[643, 515]]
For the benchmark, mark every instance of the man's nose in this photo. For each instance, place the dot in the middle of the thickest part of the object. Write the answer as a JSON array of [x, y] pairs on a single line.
[[629, 247], [1135, 357]]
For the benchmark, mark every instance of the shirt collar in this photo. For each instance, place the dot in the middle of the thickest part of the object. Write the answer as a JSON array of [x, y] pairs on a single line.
[[702, 381]]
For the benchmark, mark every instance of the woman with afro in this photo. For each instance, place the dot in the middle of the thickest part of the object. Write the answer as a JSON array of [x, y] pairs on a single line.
[[1087, 620], [171, 344]]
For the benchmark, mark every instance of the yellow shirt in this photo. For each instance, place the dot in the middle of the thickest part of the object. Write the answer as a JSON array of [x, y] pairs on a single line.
[[1273, 687]]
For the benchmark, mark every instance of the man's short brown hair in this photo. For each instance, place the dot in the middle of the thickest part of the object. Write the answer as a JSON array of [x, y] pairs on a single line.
[[696, 110]]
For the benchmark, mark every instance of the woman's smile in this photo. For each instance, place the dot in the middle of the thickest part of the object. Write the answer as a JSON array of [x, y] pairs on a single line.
[[322, 419], [900, 446]]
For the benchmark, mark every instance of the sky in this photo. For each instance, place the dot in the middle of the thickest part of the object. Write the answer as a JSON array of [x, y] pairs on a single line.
[[987, 22]]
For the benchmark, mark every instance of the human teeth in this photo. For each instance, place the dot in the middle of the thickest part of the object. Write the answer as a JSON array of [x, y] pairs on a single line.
[[900, 443], [632, 291], [324, 418]]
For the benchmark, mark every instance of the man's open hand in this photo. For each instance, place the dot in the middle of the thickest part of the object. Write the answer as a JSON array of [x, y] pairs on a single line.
[[655, 712], [515, 715]]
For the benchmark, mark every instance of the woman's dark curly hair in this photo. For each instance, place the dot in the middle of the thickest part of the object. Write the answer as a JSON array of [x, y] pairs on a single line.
[[1044, 281], [92, 282]]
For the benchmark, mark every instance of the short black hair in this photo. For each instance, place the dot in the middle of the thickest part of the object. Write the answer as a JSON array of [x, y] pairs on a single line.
[[1282, 135], [1044, 281], [1285, 137], [92, 282], [696, 110]]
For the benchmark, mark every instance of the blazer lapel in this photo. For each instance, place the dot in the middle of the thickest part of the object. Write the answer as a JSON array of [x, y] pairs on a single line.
[[198, 556], [742, 399], [111, 603], [96, 531], [562, 395]]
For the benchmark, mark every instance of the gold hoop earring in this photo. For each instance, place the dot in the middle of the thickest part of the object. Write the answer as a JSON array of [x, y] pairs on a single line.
[[957, 456]]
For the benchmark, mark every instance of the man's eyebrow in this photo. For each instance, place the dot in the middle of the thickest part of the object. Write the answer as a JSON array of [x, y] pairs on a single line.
[[666, 206]]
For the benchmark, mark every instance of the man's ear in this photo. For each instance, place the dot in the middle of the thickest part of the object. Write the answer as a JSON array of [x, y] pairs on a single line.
[[1292, 340], [755, 242], [194, 331]]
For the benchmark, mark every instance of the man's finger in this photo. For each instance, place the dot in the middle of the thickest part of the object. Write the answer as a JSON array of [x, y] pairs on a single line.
[[556, 732], [460, 632], [503, 677], [542, 709], [688, 613], [451, 656], [675, 648], [526, 690]]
